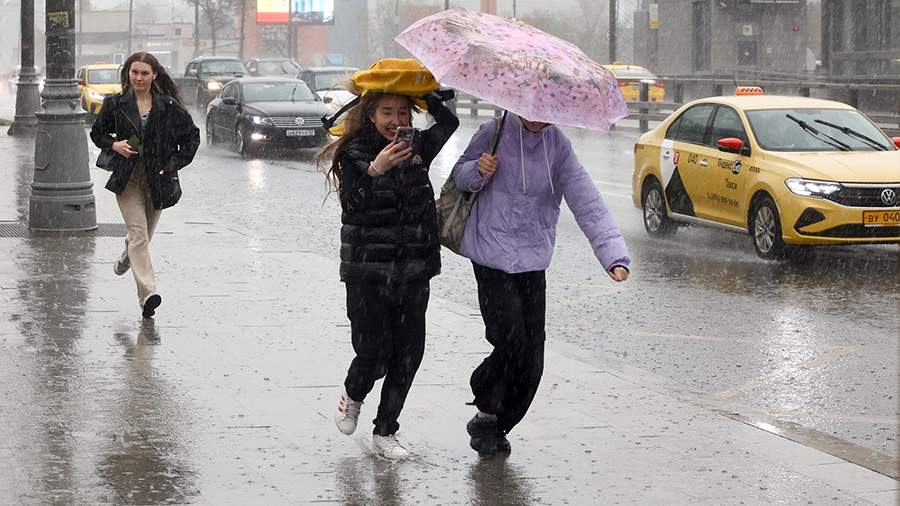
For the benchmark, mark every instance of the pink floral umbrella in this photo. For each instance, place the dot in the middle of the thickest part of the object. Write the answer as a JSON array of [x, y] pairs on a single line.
[[517, 67]]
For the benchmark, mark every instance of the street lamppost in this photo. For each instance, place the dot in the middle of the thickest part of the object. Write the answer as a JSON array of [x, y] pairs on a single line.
[[28, 98], [613, 21], [62, 197], [130, 25]]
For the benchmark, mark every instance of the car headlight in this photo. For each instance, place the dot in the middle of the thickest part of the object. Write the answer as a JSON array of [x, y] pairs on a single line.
[[93, 95], [809, 188], [260, 120], [214, 86]]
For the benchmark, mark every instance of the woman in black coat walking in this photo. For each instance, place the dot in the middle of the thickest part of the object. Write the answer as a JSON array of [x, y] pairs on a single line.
[[390, 246], [147, 136]]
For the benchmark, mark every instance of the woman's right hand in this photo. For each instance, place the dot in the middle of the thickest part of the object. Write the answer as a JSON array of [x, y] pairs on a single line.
[[123, 149], [391, 156], [487, 165]]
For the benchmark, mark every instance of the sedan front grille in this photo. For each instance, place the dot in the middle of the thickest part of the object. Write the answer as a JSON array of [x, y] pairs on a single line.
[[866, 196], [291, 121], [854, 231]]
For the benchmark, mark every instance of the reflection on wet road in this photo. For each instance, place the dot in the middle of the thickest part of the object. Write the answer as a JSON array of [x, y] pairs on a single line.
[[100, 407]]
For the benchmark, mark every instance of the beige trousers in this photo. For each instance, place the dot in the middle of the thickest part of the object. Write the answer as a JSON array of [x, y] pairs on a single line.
[[140, 220]]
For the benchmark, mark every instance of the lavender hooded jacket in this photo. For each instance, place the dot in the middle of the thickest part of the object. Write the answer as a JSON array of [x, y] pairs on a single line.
[[512, 226]]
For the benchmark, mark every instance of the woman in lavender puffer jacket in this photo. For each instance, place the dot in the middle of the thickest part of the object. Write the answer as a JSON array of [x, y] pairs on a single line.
[[510, 237]]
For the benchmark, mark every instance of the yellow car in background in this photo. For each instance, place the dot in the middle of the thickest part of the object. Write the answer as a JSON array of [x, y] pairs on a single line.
[[96, 82], [630, 78], [790, 171]]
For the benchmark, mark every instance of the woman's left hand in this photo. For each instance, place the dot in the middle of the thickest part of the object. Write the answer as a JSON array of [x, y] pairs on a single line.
[[618, 274]]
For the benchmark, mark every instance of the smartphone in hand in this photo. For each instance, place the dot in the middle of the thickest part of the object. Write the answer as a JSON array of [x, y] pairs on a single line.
[[405, 134]]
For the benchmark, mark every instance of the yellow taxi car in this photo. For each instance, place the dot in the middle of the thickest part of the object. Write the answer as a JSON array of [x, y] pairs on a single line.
[[96, 82], [790, 171], [630, 78]]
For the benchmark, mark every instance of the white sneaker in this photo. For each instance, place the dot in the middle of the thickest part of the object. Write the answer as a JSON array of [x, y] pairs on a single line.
[[388, 447], [347, 415]]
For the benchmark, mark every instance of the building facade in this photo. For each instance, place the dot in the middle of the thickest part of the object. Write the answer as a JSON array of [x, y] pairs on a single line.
[[724, 36], [861, 38], [344, 42]]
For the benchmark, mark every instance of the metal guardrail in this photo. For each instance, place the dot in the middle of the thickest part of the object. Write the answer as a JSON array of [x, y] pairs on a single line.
[[644, 111], [847, 92], [474, 104]]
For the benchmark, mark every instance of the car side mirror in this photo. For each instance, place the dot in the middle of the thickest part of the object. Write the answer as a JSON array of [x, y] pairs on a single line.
[[80, 82], [229, 101], [327, 100], [896, 141], [731, 145]]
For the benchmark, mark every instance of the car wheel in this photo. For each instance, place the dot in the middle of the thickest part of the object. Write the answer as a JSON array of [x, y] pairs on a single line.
[[240, 142], [210, 135], [656, 219], [765, 230]]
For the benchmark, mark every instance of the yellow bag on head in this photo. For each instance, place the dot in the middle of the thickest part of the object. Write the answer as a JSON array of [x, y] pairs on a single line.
[[397, 76], [392, 75]]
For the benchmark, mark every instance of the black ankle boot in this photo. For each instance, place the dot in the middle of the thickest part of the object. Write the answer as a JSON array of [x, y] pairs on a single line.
[[503, 445], [483, 432]]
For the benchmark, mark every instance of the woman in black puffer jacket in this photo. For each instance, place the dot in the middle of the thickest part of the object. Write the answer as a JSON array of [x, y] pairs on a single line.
[[390, 250]]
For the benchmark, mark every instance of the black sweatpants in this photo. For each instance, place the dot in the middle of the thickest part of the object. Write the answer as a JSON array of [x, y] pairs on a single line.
[[513, 308], [387, 326]]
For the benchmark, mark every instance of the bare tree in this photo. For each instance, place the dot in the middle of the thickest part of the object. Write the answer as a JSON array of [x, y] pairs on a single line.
[[587, 26], [387, 18], [145, 12], [217, 14]]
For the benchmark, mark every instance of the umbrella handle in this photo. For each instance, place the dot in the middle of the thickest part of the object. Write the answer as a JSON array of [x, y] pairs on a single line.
[[497, 134]]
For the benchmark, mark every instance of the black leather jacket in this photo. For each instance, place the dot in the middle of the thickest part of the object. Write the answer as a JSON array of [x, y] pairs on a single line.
[[169, 141]]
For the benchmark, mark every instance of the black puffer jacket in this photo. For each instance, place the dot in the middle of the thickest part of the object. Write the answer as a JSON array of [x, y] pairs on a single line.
[[170, 139], [390, 224]]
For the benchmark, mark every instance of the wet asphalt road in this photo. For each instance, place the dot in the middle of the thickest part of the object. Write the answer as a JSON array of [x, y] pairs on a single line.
[[814, 343]]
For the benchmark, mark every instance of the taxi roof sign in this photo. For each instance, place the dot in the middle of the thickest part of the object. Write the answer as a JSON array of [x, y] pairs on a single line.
[[748, 90]]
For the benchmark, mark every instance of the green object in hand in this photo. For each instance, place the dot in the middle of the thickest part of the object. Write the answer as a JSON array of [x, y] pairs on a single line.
[[135, 144]]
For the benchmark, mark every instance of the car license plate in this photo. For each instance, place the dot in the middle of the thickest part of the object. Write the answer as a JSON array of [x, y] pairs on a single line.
[[881, 218], [300, 133]]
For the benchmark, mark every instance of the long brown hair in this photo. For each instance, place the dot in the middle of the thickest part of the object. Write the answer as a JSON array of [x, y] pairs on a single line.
[[356, 125], [163, 82]]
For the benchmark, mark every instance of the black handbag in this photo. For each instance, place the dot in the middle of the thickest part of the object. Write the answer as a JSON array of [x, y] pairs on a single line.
[[169, 189], [106, 156]]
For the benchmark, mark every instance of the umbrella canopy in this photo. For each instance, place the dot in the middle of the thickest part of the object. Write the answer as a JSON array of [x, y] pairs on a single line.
[[517, 67]]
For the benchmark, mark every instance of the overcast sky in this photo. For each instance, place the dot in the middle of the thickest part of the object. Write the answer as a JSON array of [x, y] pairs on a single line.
[[504, 7]]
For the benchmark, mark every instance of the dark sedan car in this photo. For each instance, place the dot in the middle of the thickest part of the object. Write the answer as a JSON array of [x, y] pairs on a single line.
[[259, 113]]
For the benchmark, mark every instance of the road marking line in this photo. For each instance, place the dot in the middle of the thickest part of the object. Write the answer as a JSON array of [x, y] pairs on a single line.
[[812, 363], [882, 420]]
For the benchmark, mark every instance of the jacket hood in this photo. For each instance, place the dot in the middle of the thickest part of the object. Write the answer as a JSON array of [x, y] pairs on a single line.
[[534, 149]]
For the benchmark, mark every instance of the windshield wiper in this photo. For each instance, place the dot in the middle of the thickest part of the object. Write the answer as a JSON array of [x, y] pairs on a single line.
[[853, 133], [292, 93], [819, 135]]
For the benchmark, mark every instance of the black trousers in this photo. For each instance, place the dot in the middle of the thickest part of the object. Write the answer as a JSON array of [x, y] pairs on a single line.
[[387, 326], [513, 307]]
